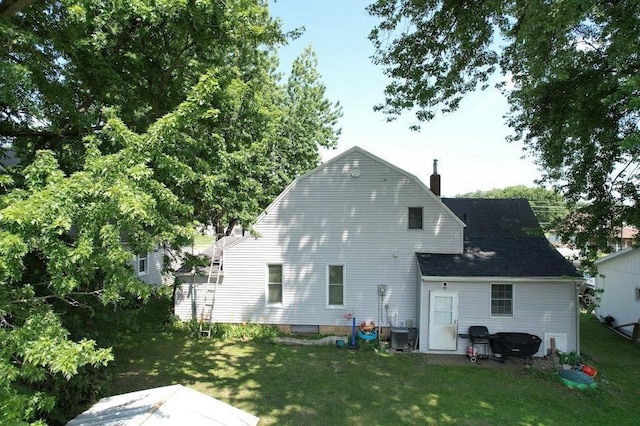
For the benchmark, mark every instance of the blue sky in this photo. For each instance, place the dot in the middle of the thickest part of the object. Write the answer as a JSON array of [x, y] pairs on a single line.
[[469, 144]]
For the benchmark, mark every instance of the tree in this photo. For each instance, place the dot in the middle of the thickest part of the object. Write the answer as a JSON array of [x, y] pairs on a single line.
[[61, 241], [246, 151], [547, 205], [133, 122], [572, 82]]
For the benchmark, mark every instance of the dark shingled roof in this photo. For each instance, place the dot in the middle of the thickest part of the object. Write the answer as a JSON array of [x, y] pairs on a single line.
[[8, 158], [502, 239]]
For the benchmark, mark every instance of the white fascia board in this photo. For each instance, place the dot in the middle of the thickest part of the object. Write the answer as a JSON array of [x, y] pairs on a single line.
[[614, 255], [501, 279]]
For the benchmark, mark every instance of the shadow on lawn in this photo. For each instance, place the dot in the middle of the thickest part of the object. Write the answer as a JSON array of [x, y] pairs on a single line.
[[309, 385], [324, 385], [280, 384]]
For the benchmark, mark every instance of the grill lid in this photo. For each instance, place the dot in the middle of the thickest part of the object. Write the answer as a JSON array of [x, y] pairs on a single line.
[[478, 331]]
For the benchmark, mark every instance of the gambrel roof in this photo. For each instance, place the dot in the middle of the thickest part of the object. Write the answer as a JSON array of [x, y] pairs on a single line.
[[339, 157], [318, 170], [502, 239]]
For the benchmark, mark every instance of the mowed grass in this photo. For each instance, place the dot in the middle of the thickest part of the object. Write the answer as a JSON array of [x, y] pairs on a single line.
[[203, 240], [328, 386]]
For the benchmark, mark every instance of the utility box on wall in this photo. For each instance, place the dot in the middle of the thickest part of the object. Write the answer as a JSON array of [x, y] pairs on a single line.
[[400, 338]]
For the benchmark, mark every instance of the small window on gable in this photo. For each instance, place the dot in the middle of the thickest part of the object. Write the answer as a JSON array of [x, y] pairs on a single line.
[[501, 300], [637, 294], [415, 217], [274, 285]]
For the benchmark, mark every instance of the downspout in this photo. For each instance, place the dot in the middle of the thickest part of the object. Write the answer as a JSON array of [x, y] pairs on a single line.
[[577, 289]]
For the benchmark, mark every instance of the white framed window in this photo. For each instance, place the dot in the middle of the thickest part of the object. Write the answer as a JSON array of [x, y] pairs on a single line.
[[275, 280], [501, 300], [415, 218], [336, 286], [142, 263]]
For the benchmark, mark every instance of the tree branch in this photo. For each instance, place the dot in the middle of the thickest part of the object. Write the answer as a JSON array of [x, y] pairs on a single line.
[[44, 133], [9, 8], [67, 298], [4, 323]]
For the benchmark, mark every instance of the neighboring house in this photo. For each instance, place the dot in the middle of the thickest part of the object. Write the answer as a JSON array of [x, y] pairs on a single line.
[[570, 253], [360, 236], [621, 238], [149, 268], [618, 280], [8, 158], [624, 238]]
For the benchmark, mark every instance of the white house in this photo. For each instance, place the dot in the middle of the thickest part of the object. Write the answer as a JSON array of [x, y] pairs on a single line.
[[148, 267], [360, 236], [619, 281]]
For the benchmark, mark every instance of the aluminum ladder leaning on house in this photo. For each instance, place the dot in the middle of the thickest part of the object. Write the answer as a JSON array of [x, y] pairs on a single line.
[[206, 317]]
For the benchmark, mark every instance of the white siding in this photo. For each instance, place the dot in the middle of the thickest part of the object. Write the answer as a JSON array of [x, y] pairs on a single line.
[[538, 308], [330, 217], [154, 274], [190, 295], [619, 276]]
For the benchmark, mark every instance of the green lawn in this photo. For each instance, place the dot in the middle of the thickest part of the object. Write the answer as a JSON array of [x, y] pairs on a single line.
[[325, 385], [203, 240]]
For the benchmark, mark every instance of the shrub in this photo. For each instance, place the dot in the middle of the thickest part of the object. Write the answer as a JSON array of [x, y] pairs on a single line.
[[244, 332], [190, 328], [75, 394], [570, 358]]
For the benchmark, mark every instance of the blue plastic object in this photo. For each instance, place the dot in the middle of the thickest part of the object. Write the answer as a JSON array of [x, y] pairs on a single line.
[[353, 334], [576, 379], [367, 336]]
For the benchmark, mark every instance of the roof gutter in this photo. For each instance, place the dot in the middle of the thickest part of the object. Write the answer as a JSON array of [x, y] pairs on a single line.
[[501, 279]]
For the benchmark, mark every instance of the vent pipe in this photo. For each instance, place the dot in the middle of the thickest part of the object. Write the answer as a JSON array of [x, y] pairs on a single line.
[[434, 183]]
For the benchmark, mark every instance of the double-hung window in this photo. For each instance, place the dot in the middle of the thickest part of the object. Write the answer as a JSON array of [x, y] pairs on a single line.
[[274, 284], [142, 263], [415, 217], [501, 300], [335, 286]]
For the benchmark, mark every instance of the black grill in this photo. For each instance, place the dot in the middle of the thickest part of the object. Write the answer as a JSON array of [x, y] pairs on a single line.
[[479, 341], [478, 332], [520, 345]]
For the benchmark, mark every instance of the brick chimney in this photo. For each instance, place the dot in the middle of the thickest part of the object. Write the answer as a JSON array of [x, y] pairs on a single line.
[[434, 183]]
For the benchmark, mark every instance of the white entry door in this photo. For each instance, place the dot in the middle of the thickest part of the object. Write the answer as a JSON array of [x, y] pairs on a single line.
[[443, 320]]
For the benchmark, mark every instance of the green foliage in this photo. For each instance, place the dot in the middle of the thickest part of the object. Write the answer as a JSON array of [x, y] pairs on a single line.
[[35, 354], [133, 122], [73, 395], [571, 77], [569, 358], [189, 328], [367, 345], [548, 206], [244, 332], [247, 332]]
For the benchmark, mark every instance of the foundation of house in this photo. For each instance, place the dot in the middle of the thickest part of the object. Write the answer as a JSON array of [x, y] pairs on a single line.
[[339, 330]]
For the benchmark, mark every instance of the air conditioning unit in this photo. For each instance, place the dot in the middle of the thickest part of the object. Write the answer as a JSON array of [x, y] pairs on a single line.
[[400, 338]]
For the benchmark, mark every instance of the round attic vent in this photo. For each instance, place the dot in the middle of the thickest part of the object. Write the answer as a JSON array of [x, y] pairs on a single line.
[[355, 171]]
